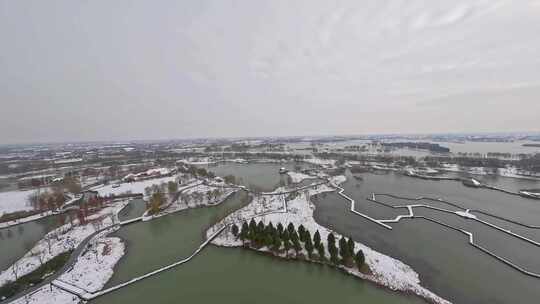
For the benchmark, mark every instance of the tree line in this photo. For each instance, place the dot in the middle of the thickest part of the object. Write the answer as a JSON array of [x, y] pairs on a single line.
[[281, 239]]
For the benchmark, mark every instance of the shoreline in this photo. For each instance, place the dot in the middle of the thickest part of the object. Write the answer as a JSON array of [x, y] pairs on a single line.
[[340, 269], [387, 272]]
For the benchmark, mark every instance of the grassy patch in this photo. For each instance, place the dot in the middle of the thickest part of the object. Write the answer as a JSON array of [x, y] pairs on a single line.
[[35, 277]]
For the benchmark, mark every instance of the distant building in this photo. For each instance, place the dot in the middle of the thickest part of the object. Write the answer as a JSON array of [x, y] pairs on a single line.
[[36, 181], [89, 195]]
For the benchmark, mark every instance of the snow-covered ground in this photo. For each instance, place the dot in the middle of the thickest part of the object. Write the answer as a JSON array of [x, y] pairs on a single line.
[[322, 162], [36, 216], [385, 270], [195, 195], [506, 172], [96, 266], [208, 161], [134, 187], [90, 273], [61, 240], [26, 219], [298, 176], [48, 295], [12, 201]]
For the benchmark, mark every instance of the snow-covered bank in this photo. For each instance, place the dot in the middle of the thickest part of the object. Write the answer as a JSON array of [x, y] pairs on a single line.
[[133, 187], [195, 195], [13, 201], [297, 177], [95, 266], [90, 273], [209, 161], [37, 216], [26, 219], [327, 163], [505, 172], [386, 271], [60, 240]]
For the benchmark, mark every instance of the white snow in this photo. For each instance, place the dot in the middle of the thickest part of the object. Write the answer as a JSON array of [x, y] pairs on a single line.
[[386, 271], [96, 266], [298, 176], [68, 161], [62, 240], [466, 214], [48, 295], [89, 274], [321, 162], [12, 201], [195, 195], [134, 187], [25, 219], [209, 160]]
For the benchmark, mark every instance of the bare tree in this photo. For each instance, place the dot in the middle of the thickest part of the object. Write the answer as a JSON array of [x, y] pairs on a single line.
[[15, 270]]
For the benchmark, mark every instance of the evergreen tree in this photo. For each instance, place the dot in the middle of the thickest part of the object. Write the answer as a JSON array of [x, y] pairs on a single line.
[[268, 241], [285, 236], [359, 259], [252, 229], [333, 254], [332, 249], [234, 230], [244, 233], [309, 246], [270, 228], [316, 239], [320, 250], [294, 237], [287, 245], [296, 246], [291, 228], [331, 239], [260, 228], [350, 245], [343, 248], [277, 244], [280, 229], [307, 236], [301, 233], [295, 240]]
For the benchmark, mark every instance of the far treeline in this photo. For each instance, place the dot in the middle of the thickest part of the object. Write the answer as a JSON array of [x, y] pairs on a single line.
[[526, 162], [279, 239]]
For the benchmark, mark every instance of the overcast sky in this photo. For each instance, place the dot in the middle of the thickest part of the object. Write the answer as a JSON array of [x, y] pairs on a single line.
[[115, 70]]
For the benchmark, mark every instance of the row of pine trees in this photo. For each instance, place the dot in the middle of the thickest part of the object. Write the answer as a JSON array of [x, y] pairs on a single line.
[[279, 238]]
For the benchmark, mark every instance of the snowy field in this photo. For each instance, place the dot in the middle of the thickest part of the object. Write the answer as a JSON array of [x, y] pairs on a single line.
[[90, 273], [12, 201], [134, 187], [386, 271], [96, 266], [194, 195], [297, 177]]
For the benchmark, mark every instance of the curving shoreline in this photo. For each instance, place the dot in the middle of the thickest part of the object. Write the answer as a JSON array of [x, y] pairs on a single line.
[[386, 271]]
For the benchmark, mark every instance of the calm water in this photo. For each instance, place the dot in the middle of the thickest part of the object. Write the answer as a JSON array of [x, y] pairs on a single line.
[[446, 263], [257, 176], [234, 275], [442, 257], [225, 275], [157, 243], [18, 240], [134, 209]]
